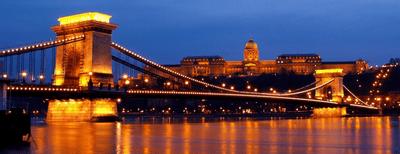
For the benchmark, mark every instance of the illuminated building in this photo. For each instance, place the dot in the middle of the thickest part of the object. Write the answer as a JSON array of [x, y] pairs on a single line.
[[300, 64]]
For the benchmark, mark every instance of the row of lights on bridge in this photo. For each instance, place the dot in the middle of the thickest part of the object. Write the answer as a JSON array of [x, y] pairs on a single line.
[[46, 44], [41, 88]]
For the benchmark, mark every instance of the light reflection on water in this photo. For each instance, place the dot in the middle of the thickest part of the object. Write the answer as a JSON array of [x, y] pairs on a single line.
[[219, 135]]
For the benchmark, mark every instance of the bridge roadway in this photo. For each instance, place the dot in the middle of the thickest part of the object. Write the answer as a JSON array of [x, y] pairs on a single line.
[[57, 92]]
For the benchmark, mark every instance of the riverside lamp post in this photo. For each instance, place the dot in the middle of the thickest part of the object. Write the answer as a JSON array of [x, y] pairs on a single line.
[[24, 74], [41, 77]]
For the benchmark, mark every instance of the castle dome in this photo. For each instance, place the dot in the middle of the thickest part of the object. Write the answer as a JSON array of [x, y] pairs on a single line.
[[251, 45]]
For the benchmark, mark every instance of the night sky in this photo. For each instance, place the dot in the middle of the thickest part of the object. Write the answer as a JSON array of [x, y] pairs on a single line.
[[167, 31]]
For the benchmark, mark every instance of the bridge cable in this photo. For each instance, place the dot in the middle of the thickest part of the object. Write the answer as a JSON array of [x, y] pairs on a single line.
[[18, 73], [11, 65], [298, 89], [179, 75], [355, 96]]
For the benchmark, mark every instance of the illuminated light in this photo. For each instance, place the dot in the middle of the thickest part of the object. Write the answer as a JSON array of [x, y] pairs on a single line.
[[85, 17], [248, 87], [186, 82], [289, 90], [348, 98], [23, 74], [323, 71], [125, 76], [168, 83], [90, 73], [255, 90], [127, 82], [232, 87], [387, 98], [5, 76], [271, 89]]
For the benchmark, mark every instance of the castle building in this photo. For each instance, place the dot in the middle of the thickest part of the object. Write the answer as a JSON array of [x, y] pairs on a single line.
[[300, 64]]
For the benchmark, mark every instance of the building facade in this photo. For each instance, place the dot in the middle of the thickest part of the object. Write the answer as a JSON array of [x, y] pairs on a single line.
[[300, 64]]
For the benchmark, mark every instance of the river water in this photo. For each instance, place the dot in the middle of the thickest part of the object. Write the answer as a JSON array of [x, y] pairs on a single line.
[[217, 135]]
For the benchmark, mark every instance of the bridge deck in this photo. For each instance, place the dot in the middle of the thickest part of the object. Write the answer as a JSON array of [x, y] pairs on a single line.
[[56, 92]]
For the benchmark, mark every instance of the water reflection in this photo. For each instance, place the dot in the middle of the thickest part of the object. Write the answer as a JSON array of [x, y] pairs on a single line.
[[220, 135]]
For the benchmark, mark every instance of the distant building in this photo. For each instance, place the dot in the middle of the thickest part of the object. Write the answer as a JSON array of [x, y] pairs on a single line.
[[300, 64]]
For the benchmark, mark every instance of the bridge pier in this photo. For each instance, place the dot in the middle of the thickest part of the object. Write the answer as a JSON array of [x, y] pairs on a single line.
[[82, 110], [329, 112]]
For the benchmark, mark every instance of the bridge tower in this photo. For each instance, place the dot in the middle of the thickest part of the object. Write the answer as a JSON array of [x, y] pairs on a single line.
[[332, 91], [74, 61], [81, 61]]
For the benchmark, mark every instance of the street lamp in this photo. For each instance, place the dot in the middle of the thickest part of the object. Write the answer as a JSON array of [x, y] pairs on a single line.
[[41, 77], [5, 76], [23, 76], [223, 85], [127, 82], [90, 83], [125, 76]]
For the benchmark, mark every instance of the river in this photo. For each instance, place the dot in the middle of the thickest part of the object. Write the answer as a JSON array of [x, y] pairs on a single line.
[[217, 135]]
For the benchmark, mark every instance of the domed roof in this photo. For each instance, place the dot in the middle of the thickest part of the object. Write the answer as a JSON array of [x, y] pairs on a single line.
[[251, 45]]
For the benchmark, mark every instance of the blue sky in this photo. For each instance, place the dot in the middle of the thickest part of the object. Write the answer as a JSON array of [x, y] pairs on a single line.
[[167, 31]]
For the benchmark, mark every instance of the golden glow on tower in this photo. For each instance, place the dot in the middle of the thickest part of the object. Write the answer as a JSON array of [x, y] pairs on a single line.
[[85, 17], [323, 71]]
